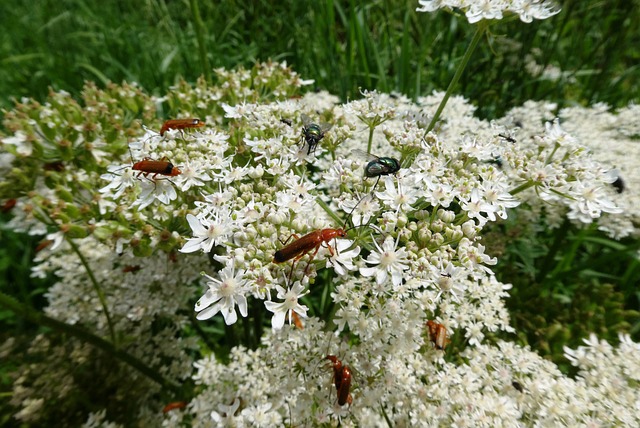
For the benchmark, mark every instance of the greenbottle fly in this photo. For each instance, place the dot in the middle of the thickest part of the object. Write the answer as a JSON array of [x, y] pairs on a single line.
[[376, 167], [381, 166], [312, 133]]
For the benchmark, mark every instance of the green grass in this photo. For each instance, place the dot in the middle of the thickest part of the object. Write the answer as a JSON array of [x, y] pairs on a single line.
[[343, 45]]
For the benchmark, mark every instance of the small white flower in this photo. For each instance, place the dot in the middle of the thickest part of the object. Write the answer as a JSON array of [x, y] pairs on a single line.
[[389, 261], [342, 260], [120, 177], [399, 199], [19, 139], [289, 305], [225, 414], [222, 296], [193, 174], [208, 233]]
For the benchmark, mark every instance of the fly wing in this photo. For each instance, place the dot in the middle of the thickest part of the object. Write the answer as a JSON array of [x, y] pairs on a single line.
[[364, 155], [324, 127]]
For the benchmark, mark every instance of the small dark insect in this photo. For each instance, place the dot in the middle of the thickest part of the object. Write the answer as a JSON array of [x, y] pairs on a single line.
[[619, 185], [286, 121], [341, 379], [497, 161], [162, 167], [517, 385], [131, 268], [312, 133], [508, 138], [175, 405], [181, 124], [57, 166], [438, 335]]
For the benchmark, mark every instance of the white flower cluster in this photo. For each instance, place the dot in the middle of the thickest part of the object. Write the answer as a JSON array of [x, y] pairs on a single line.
[[358, 264], [421, 259], [476, 10]]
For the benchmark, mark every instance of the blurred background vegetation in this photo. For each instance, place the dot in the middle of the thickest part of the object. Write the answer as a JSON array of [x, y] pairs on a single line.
[[344, 45], [583, 281]]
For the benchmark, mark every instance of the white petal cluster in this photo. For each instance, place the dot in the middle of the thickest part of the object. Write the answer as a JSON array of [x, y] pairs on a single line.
[[476, 10]]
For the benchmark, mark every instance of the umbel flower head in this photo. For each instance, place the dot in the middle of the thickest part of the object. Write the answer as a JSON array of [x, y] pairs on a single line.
[[476, 10]]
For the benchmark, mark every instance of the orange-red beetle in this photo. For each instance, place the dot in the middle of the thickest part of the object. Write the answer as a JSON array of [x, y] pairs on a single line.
[[296, 321], [175, 405], [438, 334], [302, 246], [8, 205], [150, 166], [181, 124], [341, 379]]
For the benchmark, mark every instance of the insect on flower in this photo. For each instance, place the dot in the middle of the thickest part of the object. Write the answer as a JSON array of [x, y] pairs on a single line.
[[438, 335], [8, 205], [302, 246], [181, 124], [341, 379], [296, 320], [131, 268], [156, 167], [312, 133], [378, 166], [174, 405]]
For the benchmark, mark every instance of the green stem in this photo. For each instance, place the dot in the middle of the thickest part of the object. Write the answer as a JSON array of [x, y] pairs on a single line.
[[370, 142], [482, 26], [40, 319], [328, 210], [98, 289], [522, 188], [202, 49]]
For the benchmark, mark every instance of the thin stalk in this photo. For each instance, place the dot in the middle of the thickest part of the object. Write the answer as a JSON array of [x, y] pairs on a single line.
[[200, 35], [370, 142], [38, 318], [98, 289], [521, 188], [328, 210], [482, 26]]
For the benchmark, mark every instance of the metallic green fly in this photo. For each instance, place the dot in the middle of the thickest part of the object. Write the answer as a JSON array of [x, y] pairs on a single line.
[[312, 133]]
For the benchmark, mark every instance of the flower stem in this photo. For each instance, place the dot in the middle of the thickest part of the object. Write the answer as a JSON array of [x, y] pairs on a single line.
[[522, 187], [482, 26], [370, 142], [200, 35], [98, 289], [328, 210], [40, 319]]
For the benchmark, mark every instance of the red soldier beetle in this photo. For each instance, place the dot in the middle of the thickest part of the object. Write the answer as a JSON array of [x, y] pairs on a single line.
[[438, 335], [175, 405], [342, 380], [181, 124], [156, 167], [296, 321], [303, 246], [8, 205]]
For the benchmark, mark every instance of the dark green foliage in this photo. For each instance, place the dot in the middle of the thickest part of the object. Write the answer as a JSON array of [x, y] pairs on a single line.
[[344, 45], [567, 283]]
